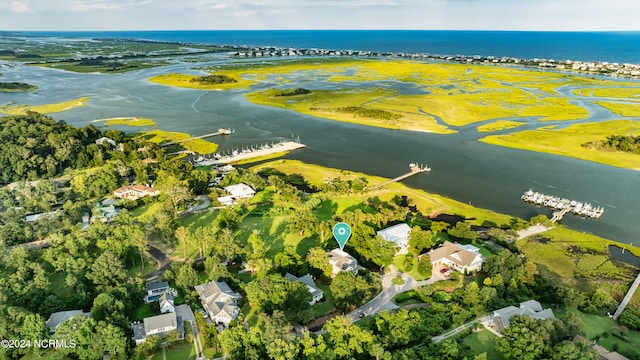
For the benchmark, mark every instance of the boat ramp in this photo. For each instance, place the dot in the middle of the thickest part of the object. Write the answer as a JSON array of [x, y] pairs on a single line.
[[562, 205]]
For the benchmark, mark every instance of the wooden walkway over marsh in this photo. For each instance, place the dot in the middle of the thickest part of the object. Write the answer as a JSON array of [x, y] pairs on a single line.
[[627, 298]]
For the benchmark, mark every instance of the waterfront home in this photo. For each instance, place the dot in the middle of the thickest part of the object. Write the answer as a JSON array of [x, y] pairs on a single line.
[[240, 191], [464, 258], [57, 318], [157, 325], [316, 293], [500, 318], [398, 234], [342, 261], [219, 301], [135, 192]]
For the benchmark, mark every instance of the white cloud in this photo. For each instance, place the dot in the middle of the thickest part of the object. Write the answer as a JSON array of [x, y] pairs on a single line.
[[93, 5], [20, 6]]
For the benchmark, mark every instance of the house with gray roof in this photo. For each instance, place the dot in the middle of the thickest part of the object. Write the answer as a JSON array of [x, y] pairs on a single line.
[[166, 302], [532, 308], [155, 290], [157, 325], [399, 235], [57, 318], [316, 293], [219, 301]]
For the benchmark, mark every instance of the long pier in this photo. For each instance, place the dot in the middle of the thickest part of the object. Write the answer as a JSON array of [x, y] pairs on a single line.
[[627, 298], [248, 153], [562, 205], [415, 169], [219, 132]]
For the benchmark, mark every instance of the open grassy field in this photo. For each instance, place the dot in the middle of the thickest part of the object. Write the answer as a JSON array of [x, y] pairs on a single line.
[[20, 109], [182, 351], [568, 141], [499, 125], [184, 81], [484, 341], [608, 332], [201, 146], [622, 109], [128, 121], [108, 67]]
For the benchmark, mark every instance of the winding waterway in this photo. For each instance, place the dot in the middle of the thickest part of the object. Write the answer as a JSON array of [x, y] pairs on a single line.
[[485, 175]]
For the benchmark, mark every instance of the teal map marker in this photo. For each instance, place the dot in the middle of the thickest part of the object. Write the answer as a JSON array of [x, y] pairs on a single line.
[[341, 232]]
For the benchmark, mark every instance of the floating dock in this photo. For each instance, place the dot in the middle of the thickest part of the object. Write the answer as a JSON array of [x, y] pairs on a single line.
[[562, 205], [247, 153]]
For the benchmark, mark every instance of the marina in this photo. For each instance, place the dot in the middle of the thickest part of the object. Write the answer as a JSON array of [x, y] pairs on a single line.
[[245, 153], [563, 205]]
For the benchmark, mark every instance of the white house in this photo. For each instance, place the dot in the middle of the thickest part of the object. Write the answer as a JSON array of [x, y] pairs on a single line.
[[316, 293], [342, 261], [398, 234], [166, 303], [219, 301], [240, 191], [460, 257], [157, 325], [104, 139], [135, 192]]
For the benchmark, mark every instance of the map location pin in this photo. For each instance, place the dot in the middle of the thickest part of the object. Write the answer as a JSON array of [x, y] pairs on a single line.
[[341, 232]]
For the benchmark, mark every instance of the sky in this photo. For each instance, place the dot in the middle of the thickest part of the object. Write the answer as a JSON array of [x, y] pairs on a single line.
[[571, 15]]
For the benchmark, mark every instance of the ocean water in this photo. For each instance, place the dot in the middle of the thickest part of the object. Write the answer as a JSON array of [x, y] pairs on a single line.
[[621, 47]]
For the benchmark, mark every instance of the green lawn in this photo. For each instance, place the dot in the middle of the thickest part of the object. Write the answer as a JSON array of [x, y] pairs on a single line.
[[183, 351], [58, 286], [327, 305], [605, 328], [484, 341], [398, 262], [143, 311]]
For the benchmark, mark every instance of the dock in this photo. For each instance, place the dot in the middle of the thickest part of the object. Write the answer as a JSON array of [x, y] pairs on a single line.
[[563, 206], [249, 152], [219, 132], [414, 170], [627, 298]]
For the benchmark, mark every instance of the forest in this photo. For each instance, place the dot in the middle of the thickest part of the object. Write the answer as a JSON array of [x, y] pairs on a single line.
[[629, 144]]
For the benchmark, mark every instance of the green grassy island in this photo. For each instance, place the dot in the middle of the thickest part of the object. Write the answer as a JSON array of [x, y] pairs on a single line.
[[16, 87], [444, 98]]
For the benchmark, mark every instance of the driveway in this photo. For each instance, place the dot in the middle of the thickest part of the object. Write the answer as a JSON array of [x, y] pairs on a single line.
[[203, 203], [164, 262]]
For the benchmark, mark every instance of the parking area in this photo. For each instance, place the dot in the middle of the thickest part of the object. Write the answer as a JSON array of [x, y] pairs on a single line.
[[440, 272]]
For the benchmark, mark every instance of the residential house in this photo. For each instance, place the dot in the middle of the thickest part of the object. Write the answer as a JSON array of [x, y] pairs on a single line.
[[342, 261], [464, 258], [57, 318], [501, 317], [219, 301], [240, 191], [104, 139], [104, 213], [156, 289], [135, 192], [166, 302], [316, 293], [157, 325], [398, 234]]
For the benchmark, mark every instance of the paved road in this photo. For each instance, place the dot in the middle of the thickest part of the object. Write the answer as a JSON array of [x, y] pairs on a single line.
[[164, 262], [203, 203], [389, 290], [532, 230]]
